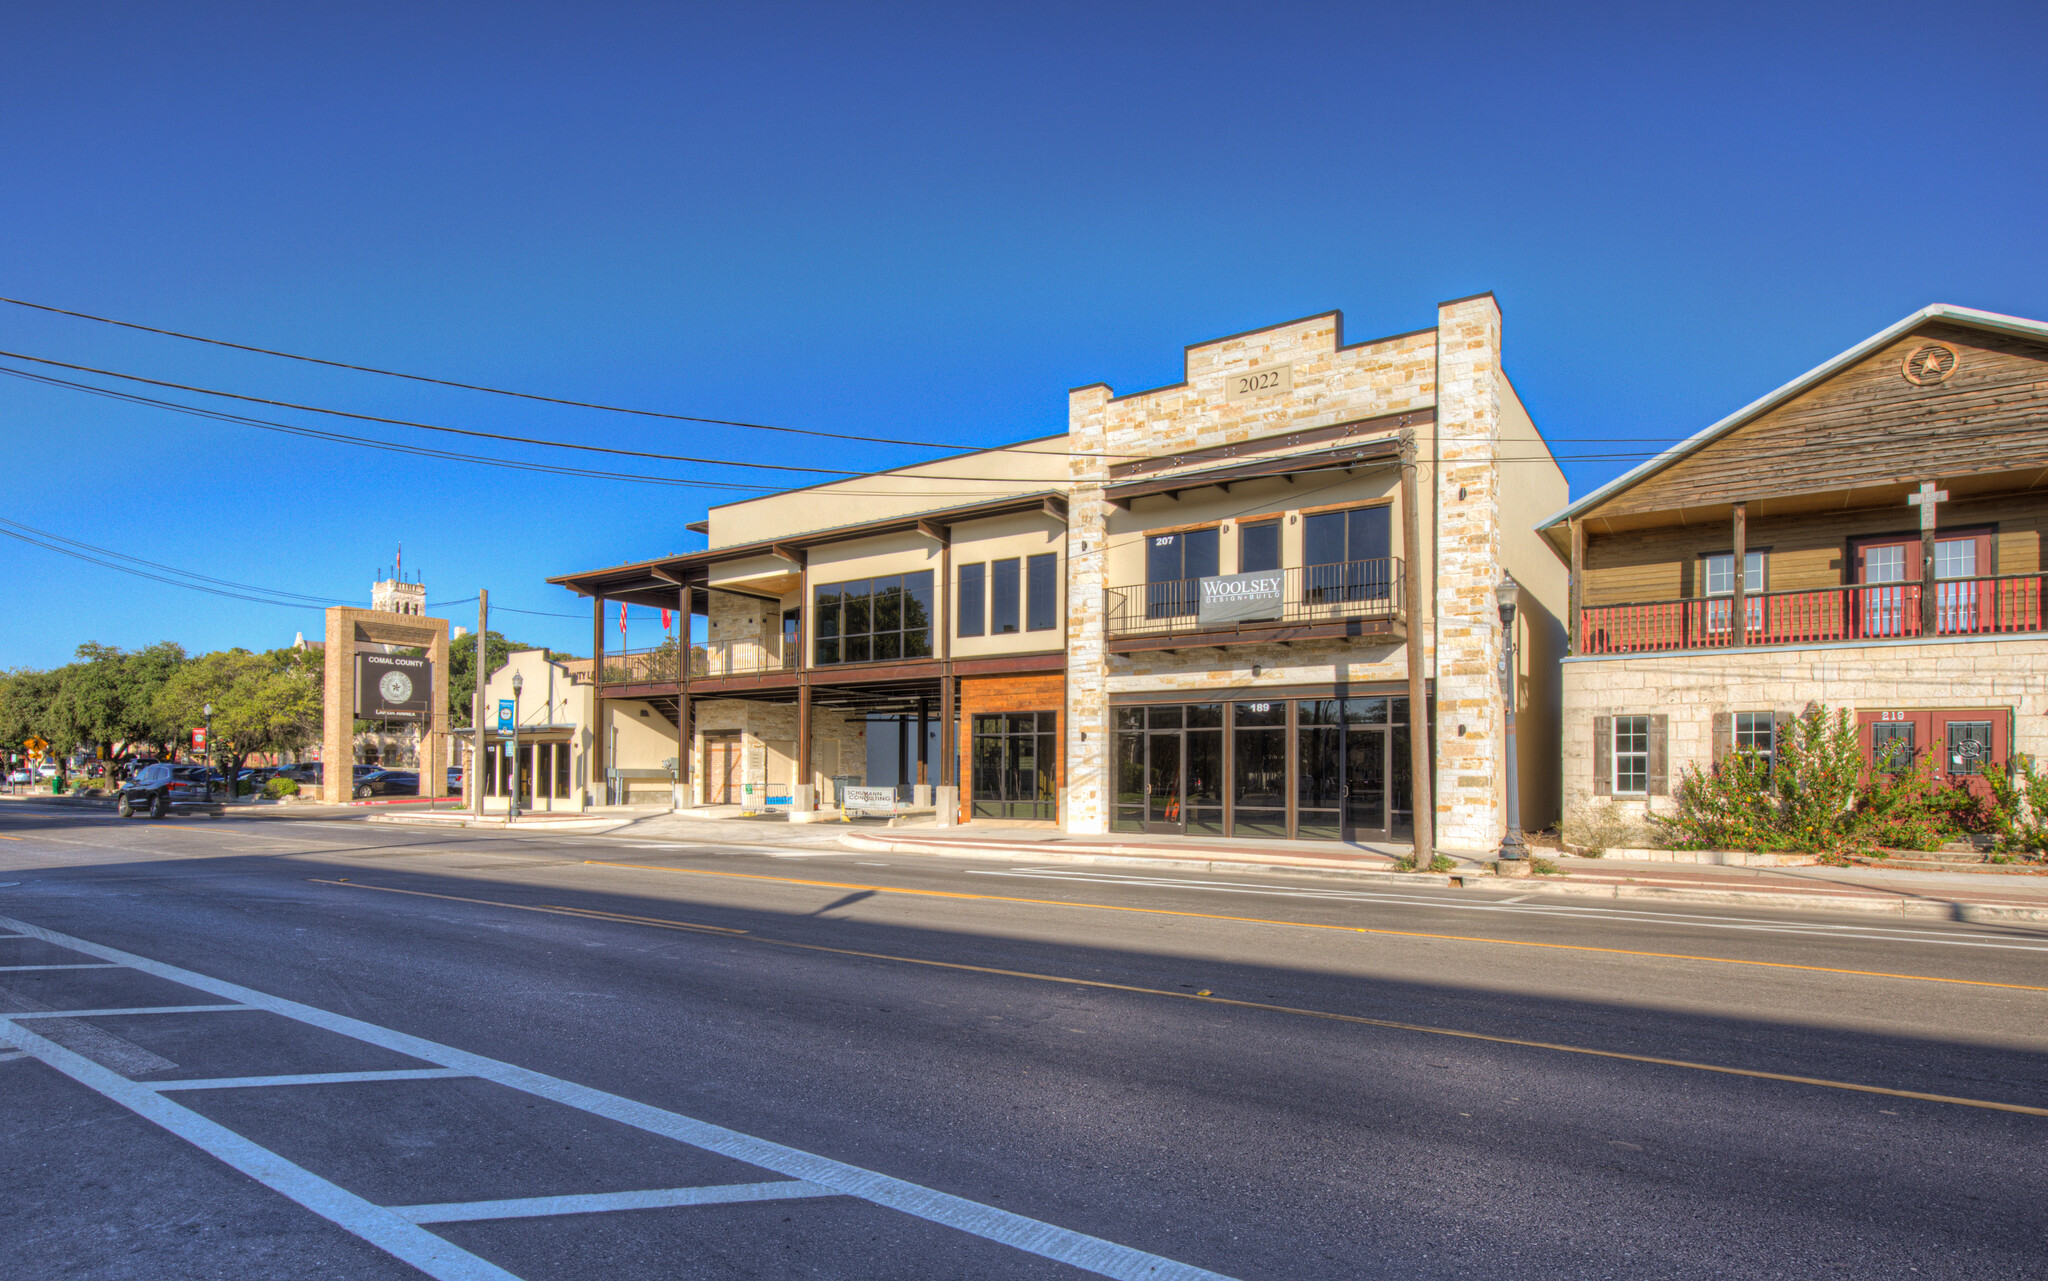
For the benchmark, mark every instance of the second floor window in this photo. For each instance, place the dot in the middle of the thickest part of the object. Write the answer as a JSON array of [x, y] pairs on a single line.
[[1041, 592], [1174, 565], [973, 604], [1720, 573], [874, 619], [1348, 553], [1258, 546], [1004, 585]]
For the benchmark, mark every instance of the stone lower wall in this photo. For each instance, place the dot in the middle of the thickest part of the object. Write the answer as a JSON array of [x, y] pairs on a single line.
[[1691, 688], [762, 723]]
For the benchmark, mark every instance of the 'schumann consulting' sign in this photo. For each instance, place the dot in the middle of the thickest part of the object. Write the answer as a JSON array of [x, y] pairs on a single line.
[[1240, 598]]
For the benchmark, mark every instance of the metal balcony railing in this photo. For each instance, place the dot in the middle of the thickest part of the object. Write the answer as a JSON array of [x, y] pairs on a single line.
[[707, 661], [1872, 611], [1358, 589]]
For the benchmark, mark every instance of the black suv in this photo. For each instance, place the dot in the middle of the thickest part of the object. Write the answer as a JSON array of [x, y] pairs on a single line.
[[155, 788]]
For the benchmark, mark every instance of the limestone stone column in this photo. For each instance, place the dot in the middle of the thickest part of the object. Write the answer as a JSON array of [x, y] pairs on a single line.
[[1470, 795], [1088, 740]]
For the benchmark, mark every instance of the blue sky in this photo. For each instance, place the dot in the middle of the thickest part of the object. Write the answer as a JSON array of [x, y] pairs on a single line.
[[912, 222]]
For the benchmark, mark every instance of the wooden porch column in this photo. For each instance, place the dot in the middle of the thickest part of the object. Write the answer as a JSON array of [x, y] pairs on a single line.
[[803, 744], [1421, 727], [1577, 604], [683, 735], [1738, 624], [597, 763]]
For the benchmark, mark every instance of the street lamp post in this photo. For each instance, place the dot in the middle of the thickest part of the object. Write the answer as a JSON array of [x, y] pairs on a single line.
[[1507, 595], [207, 712], [513, 811]]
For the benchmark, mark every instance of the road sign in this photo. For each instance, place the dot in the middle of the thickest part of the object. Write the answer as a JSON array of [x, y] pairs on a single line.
[[199, 739], [504, 716], [34, 745]]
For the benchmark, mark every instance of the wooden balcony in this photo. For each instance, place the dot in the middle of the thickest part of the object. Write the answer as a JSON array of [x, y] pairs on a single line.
[[1866, 612], [1353, 598]]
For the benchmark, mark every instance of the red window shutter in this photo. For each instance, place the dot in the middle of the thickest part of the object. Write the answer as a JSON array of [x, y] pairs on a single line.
[[1603, 756], [1660, 770]]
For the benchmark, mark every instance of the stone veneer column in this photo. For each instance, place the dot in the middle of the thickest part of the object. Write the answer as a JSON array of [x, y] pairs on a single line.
[[1469, 797], [1089, 741]]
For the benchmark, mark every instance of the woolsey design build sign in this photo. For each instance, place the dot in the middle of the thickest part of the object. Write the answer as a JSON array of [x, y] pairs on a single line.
[[391, 688], [1240, 598]]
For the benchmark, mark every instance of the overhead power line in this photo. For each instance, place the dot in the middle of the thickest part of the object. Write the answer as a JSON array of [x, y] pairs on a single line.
[[55, 543], [519, 395]]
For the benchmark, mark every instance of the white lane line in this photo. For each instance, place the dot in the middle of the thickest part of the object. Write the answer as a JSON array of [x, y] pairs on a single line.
[[93, 965], [1062, 1245], [535, 1207], [131, 1009], [1631, 916], [821, 854], [304, 1078], [380, 1227]]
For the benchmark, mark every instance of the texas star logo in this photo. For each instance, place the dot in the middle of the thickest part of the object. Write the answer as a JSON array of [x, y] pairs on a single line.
[[396, 687]]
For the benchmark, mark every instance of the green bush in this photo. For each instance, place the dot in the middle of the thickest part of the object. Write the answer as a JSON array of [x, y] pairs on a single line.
[[1810, 800], [2018, 809], [277, 787]]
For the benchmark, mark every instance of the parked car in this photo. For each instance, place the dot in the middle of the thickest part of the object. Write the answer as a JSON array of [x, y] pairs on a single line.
[[454, 779], [156, 788], [259, 776], [21, 775], [303, 773], [386, 782], [47, 770]]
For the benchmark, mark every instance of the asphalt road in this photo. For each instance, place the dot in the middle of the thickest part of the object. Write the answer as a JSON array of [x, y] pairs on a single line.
[[871, 1067]]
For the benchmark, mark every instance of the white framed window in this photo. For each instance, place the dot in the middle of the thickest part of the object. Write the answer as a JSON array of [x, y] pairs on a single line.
[[1757, 734], [1720, 573], [1631, 755]]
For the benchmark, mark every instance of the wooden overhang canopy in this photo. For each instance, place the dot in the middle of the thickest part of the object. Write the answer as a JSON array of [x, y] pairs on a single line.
[[1359, 453], [656, 582]]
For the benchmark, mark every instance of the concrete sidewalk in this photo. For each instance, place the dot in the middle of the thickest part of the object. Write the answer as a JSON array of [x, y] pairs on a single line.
[[2018, 897]]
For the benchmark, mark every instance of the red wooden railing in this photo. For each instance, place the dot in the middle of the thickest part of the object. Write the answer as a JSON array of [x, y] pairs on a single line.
[[1889, 611]]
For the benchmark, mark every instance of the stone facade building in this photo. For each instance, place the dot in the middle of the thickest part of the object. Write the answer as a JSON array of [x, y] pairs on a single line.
[[1205, 609], [1876, 527]]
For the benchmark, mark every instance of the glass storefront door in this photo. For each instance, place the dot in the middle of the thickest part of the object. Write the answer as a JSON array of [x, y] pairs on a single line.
[[1365, 781], [1163, 781]]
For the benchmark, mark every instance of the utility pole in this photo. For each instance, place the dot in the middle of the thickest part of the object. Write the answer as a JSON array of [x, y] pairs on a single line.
[[474, 779]]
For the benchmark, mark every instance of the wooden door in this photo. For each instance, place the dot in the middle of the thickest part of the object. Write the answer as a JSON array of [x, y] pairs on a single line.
[[722, 766]]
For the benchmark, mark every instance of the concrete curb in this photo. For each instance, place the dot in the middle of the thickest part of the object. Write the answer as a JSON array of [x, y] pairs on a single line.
[[867, 844], [499, 822], [1861, 904]]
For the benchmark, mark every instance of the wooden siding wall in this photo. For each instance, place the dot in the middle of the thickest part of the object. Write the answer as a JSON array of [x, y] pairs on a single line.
[[1802, 553], [1869, 426]]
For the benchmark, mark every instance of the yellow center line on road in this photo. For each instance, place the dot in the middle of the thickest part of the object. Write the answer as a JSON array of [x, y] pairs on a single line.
[[743, 936], [1311, 925], [5, 837]]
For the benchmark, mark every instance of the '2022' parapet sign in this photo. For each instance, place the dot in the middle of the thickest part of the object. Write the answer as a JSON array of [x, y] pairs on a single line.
[[390, 687], [1241, 598]]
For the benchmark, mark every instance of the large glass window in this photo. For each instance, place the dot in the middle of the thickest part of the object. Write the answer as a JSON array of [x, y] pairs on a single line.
[[1175, 564], [1317, 786], [874, 619], [1258, 546], [1205, 769], [1015, 759], [1003, 585], [1720, 573], [1259, 790], [973, 606], [1631, 755], [1348, 555], [1041, 589]]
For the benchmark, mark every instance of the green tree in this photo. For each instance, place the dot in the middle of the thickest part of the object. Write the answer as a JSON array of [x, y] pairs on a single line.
[[462, 672], [261, 702], [113, 693]]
